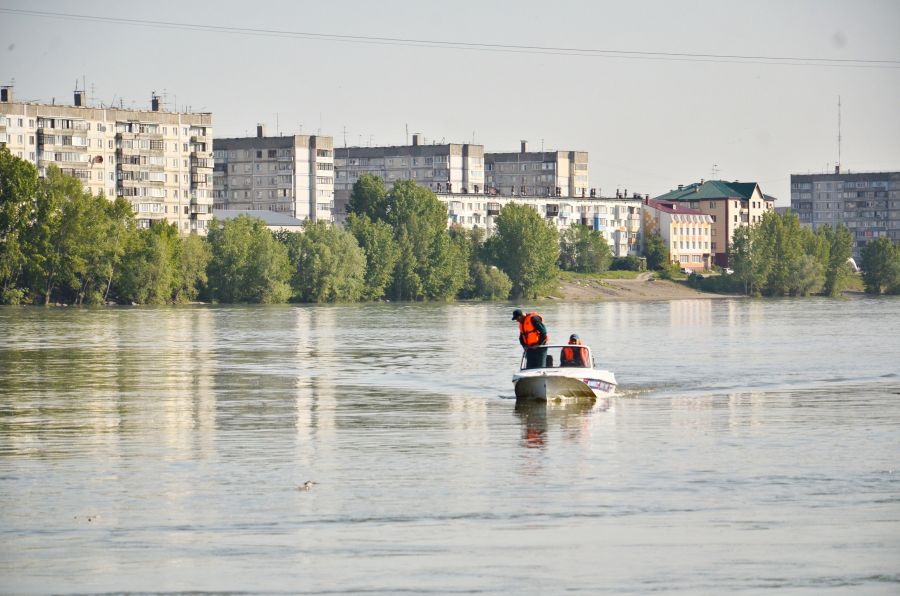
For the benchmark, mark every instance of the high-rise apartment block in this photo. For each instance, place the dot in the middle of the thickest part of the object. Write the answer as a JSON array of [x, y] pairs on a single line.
[[868, 203], [537, 173], [444, 168], [288, 174], [160, 161], [731, 205]]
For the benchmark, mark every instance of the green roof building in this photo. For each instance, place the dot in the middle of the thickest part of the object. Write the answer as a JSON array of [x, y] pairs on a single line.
[[731, 205]]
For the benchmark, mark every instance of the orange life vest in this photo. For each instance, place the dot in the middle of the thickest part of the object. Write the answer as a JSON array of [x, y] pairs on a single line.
[[569, 355], [530, 335]]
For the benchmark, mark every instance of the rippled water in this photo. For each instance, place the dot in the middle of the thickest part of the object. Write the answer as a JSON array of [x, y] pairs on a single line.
[[754, 446]]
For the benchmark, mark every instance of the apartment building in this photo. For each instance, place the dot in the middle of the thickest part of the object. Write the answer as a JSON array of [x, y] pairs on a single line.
[[444, 168], [160, 161], [868, 203], [537, 173], [618, 219], [291, 174], [686, 232], [730, 204]]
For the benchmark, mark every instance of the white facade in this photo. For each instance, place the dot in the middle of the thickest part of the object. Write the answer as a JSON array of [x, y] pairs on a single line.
[[619, 220], [160, 161]]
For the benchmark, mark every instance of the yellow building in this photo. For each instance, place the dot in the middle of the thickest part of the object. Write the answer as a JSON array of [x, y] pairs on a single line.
[[687, 232]]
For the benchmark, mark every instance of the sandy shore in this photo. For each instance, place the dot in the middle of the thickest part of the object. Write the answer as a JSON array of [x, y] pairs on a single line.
[[643, 287]]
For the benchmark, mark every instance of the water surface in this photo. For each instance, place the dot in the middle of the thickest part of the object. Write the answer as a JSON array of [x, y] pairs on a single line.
[[754, 446]]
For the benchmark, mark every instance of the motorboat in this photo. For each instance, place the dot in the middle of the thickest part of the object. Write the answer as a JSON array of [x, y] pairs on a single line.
[[547, 376]]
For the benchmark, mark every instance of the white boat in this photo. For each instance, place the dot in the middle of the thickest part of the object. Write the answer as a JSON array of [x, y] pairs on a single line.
[[554, 380]]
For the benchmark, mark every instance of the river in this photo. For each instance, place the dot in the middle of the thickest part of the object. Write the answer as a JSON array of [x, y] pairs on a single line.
[[754, 445]]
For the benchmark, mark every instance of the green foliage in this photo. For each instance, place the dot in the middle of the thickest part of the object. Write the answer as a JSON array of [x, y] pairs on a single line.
[[328, 264], [526, 248], [19, 187], [629, 263], [149, 268], [584, 250], [489, 282], [840, 249], [376, 238], [369, 198], [656, 251], [778, 257], [247, 264], [880, 266], [193, 258]]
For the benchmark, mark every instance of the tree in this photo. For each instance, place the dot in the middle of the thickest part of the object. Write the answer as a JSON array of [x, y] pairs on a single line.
[[527, 248], [807, 276], [54, 236], [194, 255], [879, 264], [489, 282], [376, 238], [247, 264], [656, 251], [584, 250], [329, 265], [428, 266], [840, 249], [149, 267], [369, 198], [19, 185]]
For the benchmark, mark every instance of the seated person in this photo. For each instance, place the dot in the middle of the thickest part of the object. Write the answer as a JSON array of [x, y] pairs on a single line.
[[573, 356]]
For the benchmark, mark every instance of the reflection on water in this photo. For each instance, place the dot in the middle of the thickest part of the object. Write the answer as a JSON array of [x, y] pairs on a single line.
[[161, 449], [572, 417]]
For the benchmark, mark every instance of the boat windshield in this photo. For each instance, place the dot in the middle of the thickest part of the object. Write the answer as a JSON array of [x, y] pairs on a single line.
[[557, 356]]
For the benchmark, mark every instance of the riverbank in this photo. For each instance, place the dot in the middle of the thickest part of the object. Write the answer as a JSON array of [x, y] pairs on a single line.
[[642, 287]]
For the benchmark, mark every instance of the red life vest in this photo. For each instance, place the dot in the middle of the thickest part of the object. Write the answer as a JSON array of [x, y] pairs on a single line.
[[529, 334], [575, 356]]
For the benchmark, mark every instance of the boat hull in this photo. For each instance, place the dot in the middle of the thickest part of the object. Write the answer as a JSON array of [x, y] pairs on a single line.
[[544, 386]]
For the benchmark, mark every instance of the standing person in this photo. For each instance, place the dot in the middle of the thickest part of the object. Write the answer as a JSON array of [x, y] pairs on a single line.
[[572, 356], [532, 335]]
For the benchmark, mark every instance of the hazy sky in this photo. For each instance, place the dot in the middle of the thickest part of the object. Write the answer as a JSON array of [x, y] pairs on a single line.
[[648, 124]]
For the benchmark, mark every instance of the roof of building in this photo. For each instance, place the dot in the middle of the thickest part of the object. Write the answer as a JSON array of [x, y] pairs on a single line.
[[672, 207], [710, 190], [517, 156], [410, 150], [271, 218]]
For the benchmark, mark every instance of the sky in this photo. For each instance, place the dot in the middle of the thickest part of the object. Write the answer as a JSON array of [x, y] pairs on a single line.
[[648, 121]]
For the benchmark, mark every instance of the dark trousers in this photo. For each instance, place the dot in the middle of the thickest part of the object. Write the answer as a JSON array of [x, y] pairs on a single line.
[[535, 357]]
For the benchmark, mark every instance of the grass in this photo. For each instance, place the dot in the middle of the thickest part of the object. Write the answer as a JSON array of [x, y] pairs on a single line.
[[855, 283], [573, 276]]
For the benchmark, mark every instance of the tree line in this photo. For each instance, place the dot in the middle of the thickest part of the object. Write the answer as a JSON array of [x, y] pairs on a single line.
[[59, 243], [777, 256]]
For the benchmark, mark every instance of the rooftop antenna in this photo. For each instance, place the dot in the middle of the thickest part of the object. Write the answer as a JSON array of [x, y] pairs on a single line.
[[542, 145], [714, 171], [407, 134], [837, 166], [277, 132], [345, 136], [320, 123], [473, 137]]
